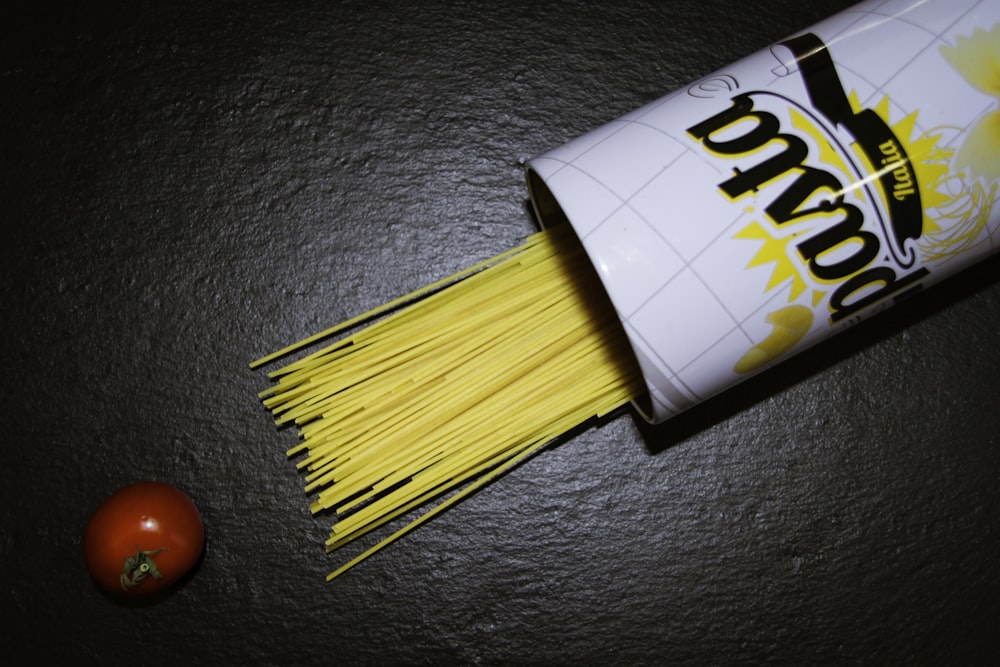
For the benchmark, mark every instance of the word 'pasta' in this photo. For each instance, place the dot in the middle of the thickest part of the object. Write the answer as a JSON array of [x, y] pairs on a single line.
[[456, 384]]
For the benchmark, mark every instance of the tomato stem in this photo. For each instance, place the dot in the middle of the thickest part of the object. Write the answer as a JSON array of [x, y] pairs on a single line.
[[138, 566]]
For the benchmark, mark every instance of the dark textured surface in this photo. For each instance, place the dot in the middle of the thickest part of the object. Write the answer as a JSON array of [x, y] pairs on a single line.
[[188, 186]]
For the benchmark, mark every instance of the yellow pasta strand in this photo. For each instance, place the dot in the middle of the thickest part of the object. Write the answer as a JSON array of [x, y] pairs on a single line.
[[452, 385]]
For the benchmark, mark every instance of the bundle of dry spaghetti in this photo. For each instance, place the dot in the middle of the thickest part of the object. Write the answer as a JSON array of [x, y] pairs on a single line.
[[450, 386]]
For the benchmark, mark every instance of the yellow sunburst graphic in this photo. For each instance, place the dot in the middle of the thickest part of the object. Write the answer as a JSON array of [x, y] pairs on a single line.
[[928, 159], [930, 164], [774, 251], [956, 207], [955, 212]]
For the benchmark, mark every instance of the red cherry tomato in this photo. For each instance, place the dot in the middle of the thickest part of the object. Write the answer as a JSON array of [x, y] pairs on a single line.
[[143, 539]]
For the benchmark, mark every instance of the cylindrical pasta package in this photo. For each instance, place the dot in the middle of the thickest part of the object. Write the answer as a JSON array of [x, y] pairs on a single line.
[[775, 202]]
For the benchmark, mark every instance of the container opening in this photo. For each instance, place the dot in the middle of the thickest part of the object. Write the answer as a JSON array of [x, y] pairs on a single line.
[[547, 209], [549, 214]]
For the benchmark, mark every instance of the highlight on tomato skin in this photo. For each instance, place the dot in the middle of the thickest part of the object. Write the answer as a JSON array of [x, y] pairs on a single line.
[[143, 539]]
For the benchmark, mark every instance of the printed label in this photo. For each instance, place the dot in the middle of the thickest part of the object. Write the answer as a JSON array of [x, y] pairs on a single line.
[[792, 194]]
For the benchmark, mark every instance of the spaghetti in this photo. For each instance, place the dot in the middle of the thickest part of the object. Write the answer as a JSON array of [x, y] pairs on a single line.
[[777, 202], [457, 383]]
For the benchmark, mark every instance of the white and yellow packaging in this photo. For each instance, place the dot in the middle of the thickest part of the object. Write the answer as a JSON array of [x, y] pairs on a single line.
[[775, 202]]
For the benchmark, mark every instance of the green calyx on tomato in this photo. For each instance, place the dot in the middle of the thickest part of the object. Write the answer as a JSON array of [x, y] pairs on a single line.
[[138, 565]]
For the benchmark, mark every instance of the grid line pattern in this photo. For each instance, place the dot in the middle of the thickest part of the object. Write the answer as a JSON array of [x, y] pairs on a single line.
[[662, 235]]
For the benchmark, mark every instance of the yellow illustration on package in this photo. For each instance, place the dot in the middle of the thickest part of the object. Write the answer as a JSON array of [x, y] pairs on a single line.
[[852, 206], [792, 194]]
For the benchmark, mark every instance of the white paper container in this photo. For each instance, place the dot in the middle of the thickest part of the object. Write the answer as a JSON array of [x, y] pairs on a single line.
[[790, 195]]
